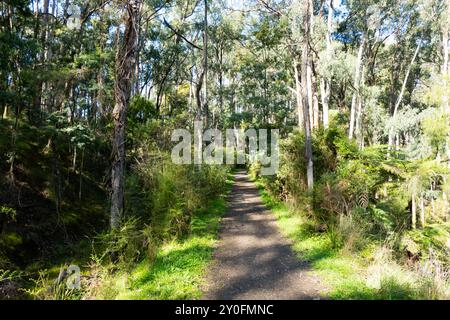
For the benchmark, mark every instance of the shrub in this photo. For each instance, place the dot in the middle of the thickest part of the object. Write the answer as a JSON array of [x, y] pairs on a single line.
[[434, 279], [349, 233], [165, 195], [128, 244]]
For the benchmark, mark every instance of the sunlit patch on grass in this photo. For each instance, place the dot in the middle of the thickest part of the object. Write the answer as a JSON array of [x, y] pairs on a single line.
[[180, 266]]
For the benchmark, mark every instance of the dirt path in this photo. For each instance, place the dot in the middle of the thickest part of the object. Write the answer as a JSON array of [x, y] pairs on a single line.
[[253, 260]]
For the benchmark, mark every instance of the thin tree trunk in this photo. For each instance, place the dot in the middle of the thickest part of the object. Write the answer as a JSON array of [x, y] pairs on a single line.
[[198, 119], [306, 97], [445, 27], [45, 40], [198, 97], [359, 114], [125, 62], [205, 65], [220, 76], [315, 106], [413, 211], [422, 212], [309, 92], [298, 94], [12, 159], [444, 196], [81, 174], [325, 98], [100, 97], [191, 90], [325, 84], [136, 87], [56, 176], [46, 33], [356, 84], [446, 73], [74, 161], [402, 92]]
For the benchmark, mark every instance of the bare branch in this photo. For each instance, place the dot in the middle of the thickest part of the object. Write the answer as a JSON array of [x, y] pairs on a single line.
[[180, 35]]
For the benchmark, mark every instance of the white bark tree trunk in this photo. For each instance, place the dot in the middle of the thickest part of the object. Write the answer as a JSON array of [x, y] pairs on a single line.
[[359, 114], [309, 92], [422, 212], [325, 99], [316, 112], [307, 95], [325, 84], [356, 84], [400, 97]]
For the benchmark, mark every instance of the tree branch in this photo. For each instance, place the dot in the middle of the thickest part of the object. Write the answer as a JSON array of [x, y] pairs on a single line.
[[180, 35]]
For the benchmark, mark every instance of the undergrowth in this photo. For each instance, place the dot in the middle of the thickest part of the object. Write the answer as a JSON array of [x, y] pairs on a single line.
[[154, 254], [368, 272], [177, 271]]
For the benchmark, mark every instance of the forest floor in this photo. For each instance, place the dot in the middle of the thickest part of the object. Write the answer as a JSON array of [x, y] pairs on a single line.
[[253, 260]]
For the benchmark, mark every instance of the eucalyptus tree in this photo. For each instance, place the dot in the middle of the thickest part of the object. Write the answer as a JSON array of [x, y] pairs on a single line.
[[299, 17], [125, 65]]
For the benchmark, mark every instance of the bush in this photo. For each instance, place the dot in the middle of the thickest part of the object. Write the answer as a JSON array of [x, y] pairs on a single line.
[[349, 233], [128, 244], [357, 193], [166, 196]]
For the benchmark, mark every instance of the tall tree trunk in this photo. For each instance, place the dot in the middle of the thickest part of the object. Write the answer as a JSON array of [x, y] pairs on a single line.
[[46, 33], [359, 115], [205, 66], [446, 72], [325, 84], [56, 182], [46, 55], [81, 174], [309, 91], [307, 95], [445, 27], [356, 85], [137, 71], [37, 92], [400, 96], [298, 94], [13, 143], [413, 211], [325, 93], [191, 90], [198, 119], [198, 96], [220, 80], [125, 62], [316, 112]]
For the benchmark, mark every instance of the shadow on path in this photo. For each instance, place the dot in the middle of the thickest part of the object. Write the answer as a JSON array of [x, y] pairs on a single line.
[[253, 260]]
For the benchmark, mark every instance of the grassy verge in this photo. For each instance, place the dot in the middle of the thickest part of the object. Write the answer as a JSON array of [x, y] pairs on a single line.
[[179, 269], [365, 274]]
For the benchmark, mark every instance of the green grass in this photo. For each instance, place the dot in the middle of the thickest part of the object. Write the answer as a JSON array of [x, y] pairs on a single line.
[[346, 275], [180, 266]]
